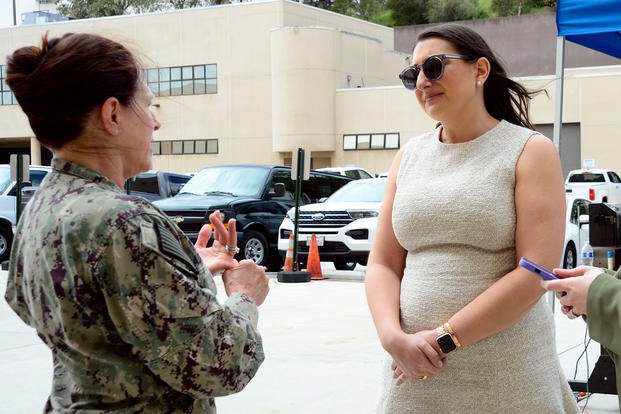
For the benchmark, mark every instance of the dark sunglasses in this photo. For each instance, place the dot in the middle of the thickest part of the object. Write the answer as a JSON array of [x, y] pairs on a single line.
[[432, 67]]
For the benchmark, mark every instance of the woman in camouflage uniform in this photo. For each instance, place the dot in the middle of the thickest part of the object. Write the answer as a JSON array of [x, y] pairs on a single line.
[[125, 302]]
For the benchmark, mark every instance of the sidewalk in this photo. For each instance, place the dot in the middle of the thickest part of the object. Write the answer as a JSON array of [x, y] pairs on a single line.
[[323, 355]]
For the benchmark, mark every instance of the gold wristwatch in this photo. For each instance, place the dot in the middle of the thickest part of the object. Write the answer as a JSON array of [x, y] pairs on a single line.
[[447, 340]]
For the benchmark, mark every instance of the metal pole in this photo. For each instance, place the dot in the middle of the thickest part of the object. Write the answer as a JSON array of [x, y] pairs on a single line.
[[558, 100], [14, 14], [558, 110], [298, 194], [18, 187], [128, 185]]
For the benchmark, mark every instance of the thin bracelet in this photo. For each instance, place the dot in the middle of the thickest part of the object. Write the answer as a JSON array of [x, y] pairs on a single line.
[[447, 327]]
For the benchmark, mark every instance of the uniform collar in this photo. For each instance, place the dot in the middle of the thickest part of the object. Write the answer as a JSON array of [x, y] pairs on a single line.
[[68, 167]]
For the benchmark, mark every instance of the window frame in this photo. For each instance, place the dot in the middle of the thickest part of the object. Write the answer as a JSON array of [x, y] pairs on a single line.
[[163, 145], [5, 90], [370, 138], [190, 80]]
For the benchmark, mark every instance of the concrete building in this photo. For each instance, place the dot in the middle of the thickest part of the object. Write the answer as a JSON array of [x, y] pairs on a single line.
[[27, 11], [243, 82], [251, 82]]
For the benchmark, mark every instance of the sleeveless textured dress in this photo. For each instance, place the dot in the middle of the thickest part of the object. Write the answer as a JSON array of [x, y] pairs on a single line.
[[454, 212]]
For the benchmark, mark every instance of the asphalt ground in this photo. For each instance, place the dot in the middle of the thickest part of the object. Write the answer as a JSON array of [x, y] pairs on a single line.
[[323, 355]]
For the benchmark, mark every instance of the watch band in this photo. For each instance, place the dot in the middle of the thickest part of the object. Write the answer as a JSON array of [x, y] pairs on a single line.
[[447, 340], [447, 327]]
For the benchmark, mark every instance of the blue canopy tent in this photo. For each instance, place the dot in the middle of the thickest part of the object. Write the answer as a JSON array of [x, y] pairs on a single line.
[[595, 24]]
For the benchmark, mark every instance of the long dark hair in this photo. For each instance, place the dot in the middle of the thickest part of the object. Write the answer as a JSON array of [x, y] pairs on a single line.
[[504, 98], [59, 84]]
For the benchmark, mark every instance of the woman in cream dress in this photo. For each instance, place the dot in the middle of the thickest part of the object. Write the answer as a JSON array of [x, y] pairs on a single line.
[[463, 203]]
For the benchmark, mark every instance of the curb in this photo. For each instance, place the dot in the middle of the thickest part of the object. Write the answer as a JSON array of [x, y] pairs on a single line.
[[355, 276]]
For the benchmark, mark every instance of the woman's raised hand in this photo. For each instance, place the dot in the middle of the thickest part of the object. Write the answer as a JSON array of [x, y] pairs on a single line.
[[220, 256]]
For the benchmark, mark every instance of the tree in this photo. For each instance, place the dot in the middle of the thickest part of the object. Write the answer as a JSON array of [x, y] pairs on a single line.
[[362, 9], [451, 10], [519, 7], [407, 12], [346, 7], [384, 17], [322, 4], [185, 4], [83, 9], [367, 9]]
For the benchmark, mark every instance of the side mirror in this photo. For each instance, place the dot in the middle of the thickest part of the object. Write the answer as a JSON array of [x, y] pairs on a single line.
[[278, 191], [322, 199], [27, 193], [583, 219]]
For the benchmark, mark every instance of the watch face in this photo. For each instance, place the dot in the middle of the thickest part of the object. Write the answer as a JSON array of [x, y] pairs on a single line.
[[446, 343]]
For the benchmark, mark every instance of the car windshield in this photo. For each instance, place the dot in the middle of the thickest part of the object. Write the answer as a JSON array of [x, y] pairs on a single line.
[[234, 181], [587, 178], [5, 178], [362, 191]]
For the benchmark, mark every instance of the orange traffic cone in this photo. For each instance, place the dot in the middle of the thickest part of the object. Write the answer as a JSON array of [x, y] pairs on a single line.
[[289, 257], [313, 265]]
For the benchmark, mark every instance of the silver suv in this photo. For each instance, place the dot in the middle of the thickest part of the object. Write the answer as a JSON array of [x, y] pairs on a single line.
[[7, 203]]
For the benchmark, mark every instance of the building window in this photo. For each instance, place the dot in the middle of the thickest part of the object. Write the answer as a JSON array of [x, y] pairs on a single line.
[[177, 147], [156, 147], [371, 141], [186, 146], [183, 80], [6, 95], [212, 146]]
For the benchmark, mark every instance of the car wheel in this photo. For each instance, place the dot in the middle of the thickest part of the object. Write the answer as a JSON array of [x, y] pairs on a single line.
[[344, 265], [569, 261], [5, 244], [254, 247]]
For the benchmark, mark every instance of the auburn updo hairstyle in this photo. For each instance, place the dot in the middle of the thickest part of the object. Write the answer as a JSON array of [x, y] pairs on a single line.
[[59, 84]]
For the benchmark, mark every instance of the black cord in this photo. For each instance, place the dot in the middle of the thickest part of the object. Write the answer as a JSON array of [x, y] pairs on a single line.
[[578, 361], [586, 347], [584, 352]]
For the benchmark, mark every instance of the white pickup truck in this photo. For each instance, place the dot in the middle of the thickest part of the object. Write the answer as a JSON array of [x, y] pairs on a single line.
[[8, 190], [595, 185]]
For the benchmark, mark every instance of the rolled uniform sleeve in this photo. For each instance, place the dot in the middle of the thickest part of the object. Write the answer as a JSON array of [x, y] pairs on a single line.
[[164, 306]]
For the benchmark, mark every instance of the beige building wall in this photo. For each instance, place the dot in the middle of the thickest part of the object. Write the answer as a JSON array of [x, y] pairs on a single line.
[[308, 65], [241, 40]]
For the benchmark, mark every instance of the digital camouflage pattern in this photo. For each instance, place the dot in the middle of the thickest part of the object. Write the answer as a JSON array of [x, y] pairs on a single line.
[[126, 305]]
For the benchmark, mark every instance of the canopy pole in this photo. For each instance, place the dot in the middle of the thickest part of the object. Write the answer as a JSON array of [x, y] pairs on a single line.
[[558, 110], [558, 100]]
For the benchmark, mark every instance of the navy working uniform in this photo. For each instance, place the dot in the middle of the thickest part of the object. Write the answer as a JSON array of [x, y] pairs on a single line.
[[124, 302]]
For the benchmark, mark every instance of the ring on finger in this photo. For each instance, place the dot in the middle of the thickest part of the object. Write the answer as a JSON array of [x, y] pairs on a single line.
[[232, 250], [424, 378]]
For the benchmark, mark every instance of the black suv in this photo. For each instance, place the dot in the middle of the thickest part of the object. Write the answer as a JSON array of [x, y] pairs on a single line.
[[257, 196]]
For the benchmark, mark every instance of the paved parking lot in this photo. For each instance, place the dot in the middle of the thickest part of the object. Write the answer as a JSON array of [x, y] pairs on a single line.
[[322, 354]]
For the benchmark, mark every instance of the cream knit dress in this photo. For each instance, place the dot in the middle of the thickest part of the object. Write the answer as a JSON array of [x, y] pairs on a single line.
[[454, 212]]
